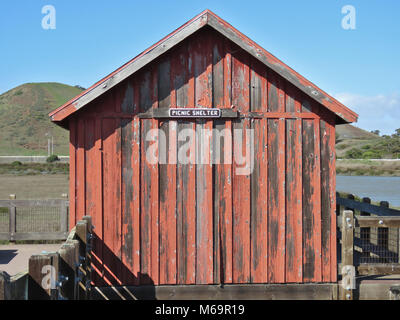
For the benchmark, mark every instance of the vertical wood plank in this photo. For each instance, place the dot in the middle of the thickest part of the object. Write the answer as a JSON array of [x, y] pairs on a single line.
[[294, 261], [155, 247], [97, 252], [204, 197], [317, 200], [294, 232], [311, 202], [180, 78], [136, 197], [186, 175], [126, 102], [72, 172], [218, 160], [282, 185], [241, 181], [80, 171], [127, 276], [332, 193], [276, 182], [90, 168], [186, 204], [259, 204], [326, 203], [259, 176], [167, 171], [227, 214], [112, 199], [149, 174]]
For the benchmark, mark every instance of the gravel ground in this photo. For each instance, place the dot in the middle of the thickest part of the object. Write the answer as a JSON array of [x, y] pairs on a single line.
[[14, 257]]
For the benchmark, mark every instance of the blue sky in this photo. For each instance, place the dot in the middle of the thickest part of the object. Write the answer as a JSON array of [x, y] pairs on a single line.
[[359, 67]]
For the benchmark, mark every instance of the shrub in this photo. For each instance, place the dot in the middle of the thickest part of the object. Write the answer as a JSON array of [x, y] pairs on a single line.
[[371, 155], [16, 163], [353, 154], [52, 158]]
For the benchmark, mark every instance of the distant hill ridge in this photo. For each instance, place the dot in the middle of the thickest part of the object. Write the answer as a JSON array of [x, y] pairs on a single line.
[[347, 131], [24, 120]]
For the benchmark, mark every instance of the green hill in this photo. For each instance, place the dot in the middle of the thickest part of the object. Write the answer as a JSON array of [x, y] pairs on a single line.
[[356, 143], [24, 122]]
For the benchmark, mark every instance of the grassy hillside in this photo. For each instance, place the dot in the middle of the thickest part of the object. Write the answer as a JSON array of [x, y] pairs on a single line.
[[24, 120], [355, 143]]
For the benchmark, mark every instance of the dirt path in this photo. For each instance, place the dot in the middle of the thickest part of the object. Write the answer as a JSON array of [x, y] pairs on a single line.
[[14, 257]]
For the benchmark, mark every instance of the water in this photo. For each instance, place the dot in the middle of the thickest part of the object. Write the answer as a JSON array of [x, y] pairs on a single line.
[[376, 188]]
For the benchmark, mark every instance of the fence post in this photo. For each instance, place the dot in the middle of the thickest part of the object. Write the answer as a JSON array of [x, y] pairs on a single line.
[[13, 219], [89, 246], [3, 285], [384, 234], [64, 217], [365, 234], [348, 270], [68, 269], [84, 233], [43, 276]]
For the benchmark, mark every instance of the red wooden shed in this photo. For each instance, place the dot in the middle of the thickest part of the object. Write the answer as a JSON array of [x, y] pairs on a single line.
[[167, 222]]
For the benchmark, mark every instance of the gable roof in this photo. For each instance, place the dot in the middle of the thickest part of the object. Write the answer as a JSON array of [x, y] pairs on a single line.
[[206, 18]]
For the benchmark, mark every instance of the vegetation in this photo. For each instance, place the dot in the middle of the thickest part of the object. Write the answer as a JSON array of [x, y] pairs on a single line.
[[355, 143], [367, 167], [52, 158], [24, 123], [18, 168]]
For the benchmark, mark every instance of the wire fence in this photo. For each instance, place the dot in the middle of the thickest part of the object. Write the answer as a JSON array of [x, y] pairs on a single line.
[[377, 245], [33, 219]]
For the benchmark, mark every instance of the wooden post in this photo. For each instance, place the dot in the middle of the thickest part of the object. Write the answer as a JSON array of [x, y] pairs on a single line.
[[43, 277], [13, 219], [384, 235], [75, 244], [69, 259], [89, 246], [3, 285], [64, 217], [82, 231], [365, 233], [348, 270]]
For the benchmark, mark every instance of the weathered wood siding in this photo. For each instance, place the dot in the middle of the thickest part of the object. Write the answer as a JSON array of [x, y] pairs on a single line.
[[174, 223]]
